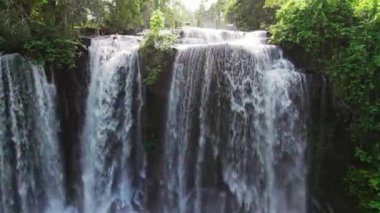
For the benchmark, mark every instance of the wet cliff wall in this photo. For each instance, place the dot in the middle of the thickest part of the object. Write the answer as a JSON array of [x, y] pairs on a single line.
[[331, 149], [154, 115], [72, 88]]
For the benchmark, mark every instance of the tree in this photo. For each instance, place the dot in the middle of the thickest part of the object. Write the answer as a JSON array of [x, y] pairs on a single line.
[[39, 28], [176, 14], [124, 15], [249, 14], [217, 11], [157, 21]]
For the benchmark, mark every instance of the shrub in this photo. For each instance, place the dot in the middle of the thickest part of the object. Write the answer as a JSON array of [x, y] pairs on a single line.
[[58, 51], [155, 48], [154, 51]]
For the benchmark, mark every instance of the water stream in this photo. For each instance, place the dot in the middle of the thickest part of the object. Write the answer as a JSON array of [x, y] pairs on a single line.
[[31, 174], [111, 129]]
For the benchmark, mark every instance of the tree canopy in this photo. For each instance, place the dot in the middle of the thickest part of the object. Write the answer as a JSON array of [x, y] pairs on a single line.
[[49, 29]]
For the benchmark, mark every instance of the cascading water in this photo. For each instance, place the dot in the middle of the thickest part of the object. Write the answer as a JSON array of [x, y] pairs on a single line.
[[31, 174], [112, 156], [235, 136]]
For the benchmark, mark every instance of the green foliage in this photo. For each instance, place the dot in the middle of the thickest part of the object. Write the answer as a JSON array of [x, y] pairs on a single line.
[[55, 51], [343, 39], [274, 3], [366, 178], [154, 51], [325, 27], [249, 14], [177, 14], [157, 21], [155, 48], [47, 30], [41, 29], [124, 15], [216, 13], [213, 16]]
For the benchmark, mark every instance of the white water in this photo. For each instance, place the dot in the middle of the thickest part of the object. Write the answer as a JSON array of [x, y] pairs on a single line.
[[237, 112], [31, 173], [110, 126]]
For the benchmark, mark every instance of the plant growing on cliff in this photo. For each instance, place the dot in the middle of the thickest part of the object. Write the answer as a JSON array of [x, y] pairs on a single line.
[[154, 52], [156, 48]]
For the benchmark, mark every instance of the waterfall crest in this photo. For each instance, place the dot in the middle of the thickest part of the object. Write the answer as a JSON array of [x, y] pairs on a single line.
[[112, 159], [31, 171], [236, 127]]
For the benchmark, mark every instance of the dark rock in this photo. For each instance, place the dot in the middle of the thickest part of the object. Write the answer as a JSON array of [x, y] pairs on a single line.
[[154, 114], [72, 89], [299, 58], [331, 149]]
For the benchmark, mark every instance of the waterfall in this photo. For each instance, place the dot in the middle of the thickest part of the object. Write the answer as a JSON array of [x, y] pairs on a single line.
[[112, 159], [235, 136], [31, 172]]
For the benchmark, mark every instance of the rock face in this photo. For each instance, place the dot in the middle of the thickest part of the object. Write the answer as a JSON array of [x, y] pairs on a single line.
[[154, 115], [72, 88], [331, 151], [331, 148]]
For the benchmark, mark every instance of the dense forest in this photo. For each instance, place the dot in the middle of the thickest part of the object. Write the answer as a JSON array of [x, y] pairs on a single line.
[[339, 38]]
